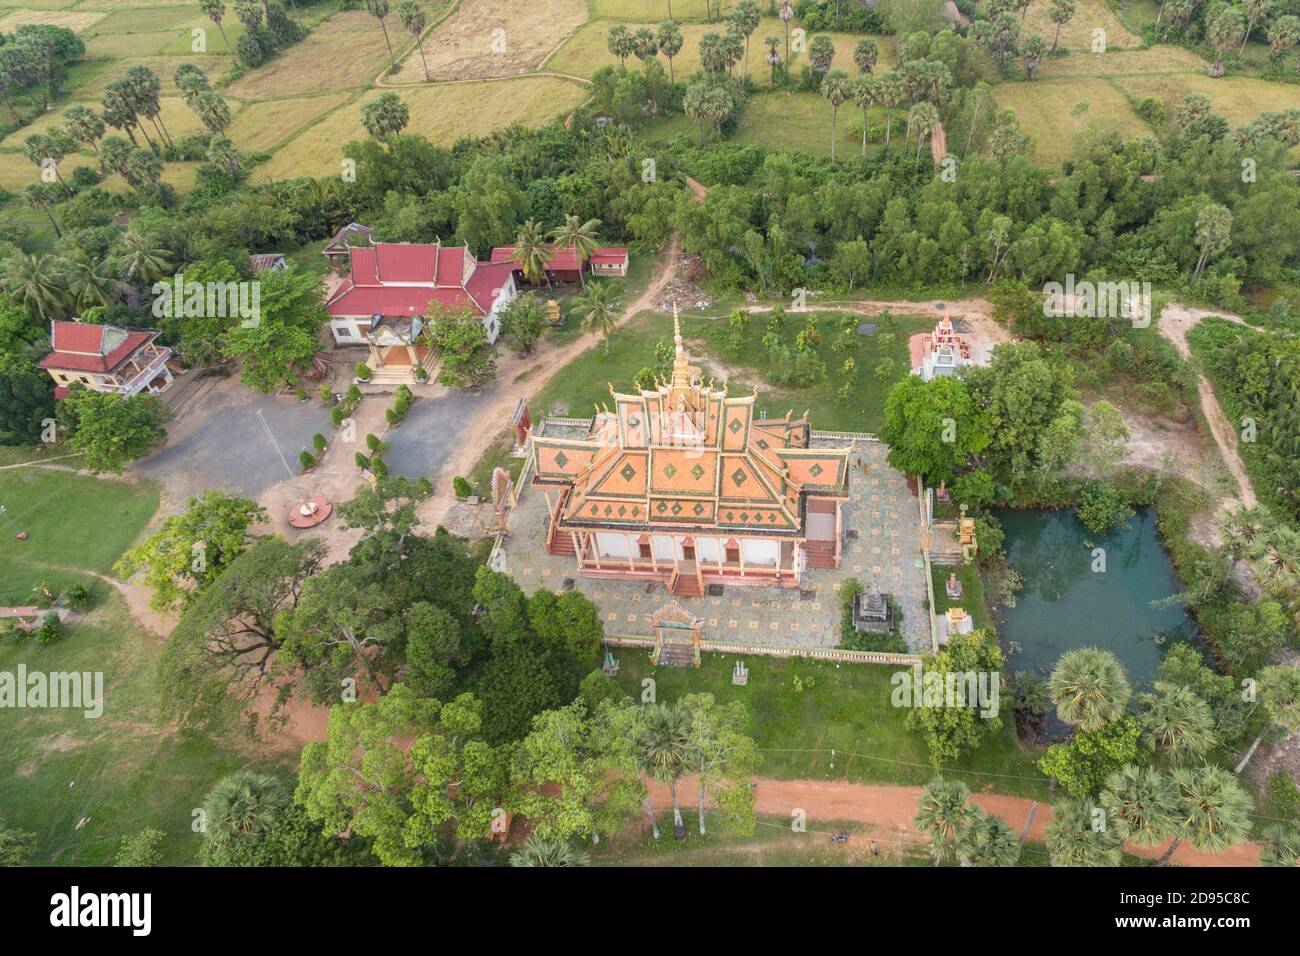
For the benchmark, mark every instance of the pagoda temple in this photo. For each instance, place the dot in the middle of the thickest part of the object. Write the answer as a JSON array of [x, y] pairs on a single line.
[[682, 484]]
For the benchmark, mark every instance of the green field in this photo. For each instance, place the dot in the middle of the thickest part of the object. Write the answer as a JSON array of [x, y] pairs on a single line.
[[845, 708], [1053, 112]]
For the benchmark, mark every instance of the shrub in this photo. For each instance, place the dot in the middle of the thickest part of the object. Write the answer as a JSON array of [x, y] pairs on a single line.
[[392, 415], [318, 441], [378, 466], [372, 441], [363, 371], [362, 461], [354, 395], [300, 393], [306, 459], [76, 595], [51, 630], [326, 393], [461, 487], [1101, 508], [337, 416]]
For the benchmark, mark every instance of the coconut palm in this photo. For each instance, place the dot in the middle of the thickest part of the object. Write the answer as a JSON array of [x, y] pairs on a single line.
[[1080, 836], [1176, 723], [665, 743], [532, 252], [988, 841], [1210, 810], [539, 852], [837, 89], [921, 117], [140, 263], [597, 309], [243, 805], [1138, 802], [581, 238], [945, 815], [35, 283], [1089, 688], [411, 16], [89, 283]]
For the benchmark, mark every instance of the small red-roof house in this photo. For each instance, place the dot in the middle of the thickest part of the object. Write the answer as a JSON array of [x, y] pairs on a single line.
[[391, 285], [106, 358], [564, 265]]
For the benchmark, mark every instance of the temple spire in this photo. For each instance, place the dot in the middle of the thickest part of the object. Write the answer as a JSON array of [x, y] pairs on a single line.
[[681, 367]]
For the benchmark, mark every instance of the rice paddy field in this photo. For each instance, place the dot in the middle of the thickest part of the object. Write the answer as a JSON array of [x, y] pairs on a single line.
[[492, 63]]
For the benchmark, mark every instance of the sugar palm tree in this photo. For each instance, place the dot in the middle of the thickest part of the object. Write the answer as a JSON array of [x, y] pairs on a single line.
[[1089, 688], [891, 95], [37, 196], [215, 10], [379, 10], [532, 252], [1176, 723], [579, 236], [539, 852], [411, 15], [866, 94], [922, 118], [945, 815], [670, 40], [84, 126], [1281, 845], [1077, 836], [666, 743], [1138, 802], [988, 841], [1211, 810], [242, 805], [598, 310], [34, 282], [837, 88]]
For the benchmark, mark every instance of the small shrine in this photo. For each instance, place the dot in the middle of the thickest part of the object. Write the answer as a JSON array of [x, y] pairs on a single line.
[[955, 621], [966, 537], [938, 353], [953, 586], [553, 316], [873, 612], [740, 674]]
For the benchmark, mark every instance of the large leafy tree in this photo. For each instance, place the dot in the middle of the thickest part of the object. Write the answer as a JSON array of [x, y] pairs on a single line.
[[468, 359], [26, 400], [281, 342], [111, 430], [723, 756], [952, 728], [933, 428], [192, 549]]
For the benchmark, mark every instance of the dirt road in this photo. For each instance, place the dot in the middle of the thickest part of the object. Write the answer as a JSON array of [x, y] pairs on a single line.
[[889, 811]]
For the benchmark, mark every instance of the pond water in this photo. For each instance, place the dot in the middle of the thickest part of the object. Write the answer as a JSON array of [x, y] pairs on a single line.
[[1065, 604]]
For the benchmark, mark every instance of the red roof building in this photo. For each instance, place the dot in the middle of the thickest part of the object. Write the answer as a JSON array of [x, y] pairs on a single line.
[[106, 358], [392, 285], [564, 266]]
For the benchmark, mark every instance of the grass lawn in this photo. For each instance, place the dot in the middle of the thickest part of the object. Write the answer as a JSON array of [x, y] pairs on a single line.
[[1078, 34], [1160, 58], [72, 523], [841, 707], [82, 784], [585, 381], [649, 9], [1053, 113], [972, 593]]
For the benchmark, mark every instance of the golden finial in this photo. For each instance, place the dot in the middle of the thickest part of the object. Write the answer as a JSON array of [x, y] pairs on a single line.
[[681, 367]]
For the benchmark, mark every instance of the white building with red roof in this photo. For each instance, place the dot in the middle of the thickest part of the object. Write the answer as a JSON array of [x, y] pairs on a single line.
[[391, 285], [107, 358]]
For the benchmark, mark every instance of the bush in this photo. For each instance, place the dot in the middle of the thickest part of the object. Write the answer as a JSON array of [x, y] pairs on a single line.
[[1101, 508], [372, 441], [337, 415], [140, 849], [76, 595], [362, 461], [318, 441], [363, 371], [378, 466], [326, 393], [461, 487], [307, 460], [51, 630]]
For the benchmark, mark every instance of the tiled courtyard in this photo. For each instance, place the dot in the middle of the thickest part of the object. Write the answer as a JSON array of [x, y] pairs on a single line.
[[888, 544]]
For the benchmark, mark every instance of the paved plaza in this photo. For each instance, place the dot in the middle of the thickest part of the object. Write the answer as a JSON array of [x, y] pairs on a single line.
[[880, 509]]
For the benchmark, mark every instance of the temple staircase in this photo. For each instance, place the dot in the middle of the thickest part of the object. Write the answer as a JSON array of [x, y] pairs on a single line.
[[821, 554], [686, 582]]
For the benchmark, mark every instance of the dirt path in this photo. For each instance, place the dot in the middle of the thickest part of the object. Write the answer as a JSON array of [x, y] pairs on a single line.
[[938, 143], [889, 811], [1176, 321], [532, 372]]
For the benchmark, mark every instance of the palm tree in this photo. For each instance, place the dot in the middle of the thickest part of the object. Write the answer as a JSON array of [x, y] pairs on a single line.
[[241, 806], [1281, 845], [836, 89], [412, 18], [1138, 802], [773, 55], [1176, 722], [945, 815], [215, 10], [1210, 809], [922, 118], [865, 55], [866, 94], [666, 745], [1077, 836], [212, 110], [1089, 688], [33, 282], [1213, 230], [532, 252], [139, 262], [84, 126], [379, 9], [989, 841], [36, 196], [891, 94], [89, 283], [598, 310], [670, 40], [539, 852], [580, 237]]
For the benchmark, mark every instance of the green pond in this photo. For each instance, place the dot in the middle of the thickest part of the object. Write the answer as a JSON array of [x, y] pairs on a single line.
[[1065, 604]]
